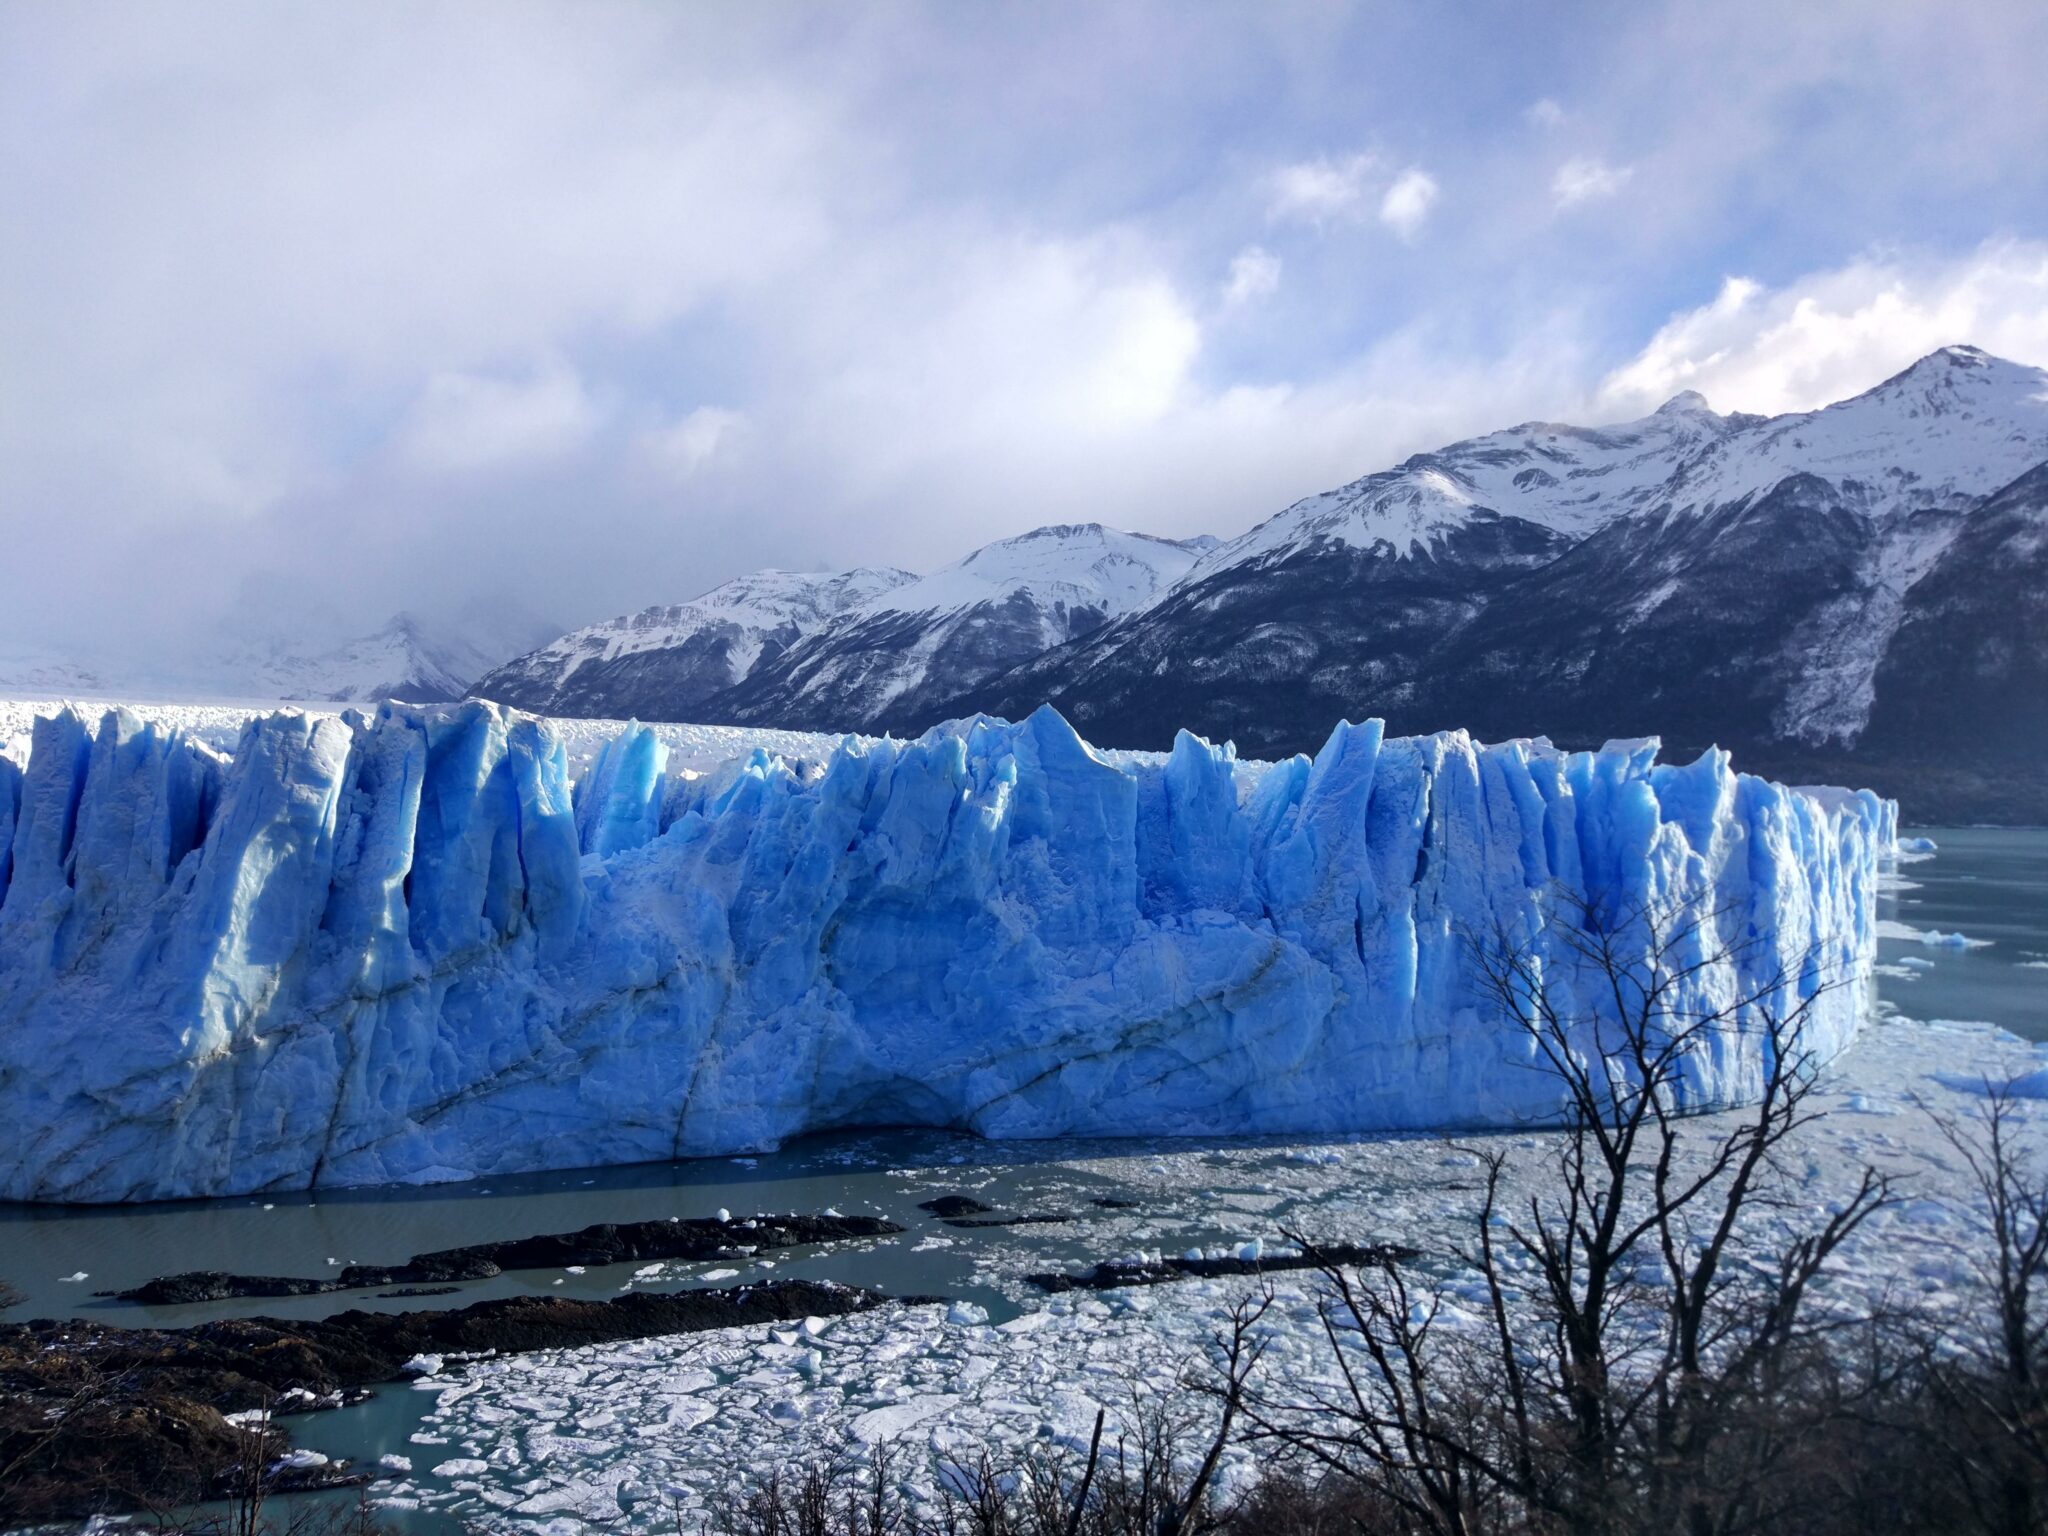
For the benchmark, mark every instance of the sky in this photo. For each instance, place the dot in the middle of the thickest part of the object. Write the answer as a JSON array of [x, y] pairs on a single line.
[[311, 313]]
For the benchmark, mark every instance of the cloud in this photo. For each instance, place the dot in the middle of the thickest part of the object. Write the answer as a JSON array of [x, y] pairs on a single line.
[[1584, 180], [1407, 202], [354, 309], [1322, 190], [1545, 113], [1835, 333], [1254, 273], [687, 444], [463, 422]]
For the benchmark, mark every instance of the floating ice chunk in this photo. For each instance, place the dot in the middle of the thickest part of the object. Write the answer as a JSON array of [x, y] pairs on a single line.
[[391, 1461], [885, 1425], [74, 1279], [462, 1466], [1934, 938], [1915, 845], [966, 1314], [298, 1460], [1251, 1252], [724, 1215], [422, 1365]]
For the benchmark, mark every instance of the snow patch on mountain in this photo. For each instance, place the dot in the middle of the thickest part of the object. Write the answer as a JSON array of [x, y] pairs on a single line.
[[1568, 479], [1956, 425], [748, 616], [1066, 567]]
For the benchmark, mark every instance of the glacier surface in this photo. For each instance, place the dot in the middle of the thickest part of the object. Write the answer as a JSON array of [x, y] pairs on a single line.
[[406, 947]]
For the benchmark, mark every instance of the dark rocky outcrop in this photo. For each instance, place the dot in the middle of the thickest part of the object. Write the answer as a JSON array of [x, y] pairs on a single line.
[[99, 1419], [1114, 1274], [605, 1243]]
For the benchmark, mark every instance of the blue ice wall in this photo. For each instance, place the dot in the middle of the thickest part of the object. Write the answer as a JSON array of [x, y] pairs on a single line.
[[406, 948]]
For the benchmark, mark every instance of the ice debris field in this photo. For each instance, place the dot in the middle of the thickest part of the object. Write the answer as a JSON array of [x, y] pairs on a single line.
[[436, 942], [626, 1434]]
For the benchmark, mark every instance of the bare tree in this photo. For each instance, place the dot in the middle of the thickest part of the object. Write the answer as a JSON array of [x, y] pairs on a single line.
[[1620, 1354], [1993, 1380]]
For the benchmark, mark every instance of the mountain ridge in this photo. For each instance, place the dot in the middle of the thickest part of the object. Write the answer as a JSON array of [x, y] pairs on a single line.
[[1736, 579]]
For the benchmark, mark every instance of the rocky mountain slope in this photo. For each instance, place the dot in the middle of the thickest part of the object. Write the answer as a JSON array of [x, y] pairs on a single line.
[[830, 650], [665, 663], [1813, 591]]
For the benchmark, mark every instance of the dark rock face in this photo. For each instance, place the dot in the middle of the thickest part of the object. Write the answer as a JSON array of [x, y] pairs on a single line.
[[1962, 691], [951, 1207], [606, 1243], [651, 685], [141, 1427], [1115, 1274], [1756, 627], [1270, 654]]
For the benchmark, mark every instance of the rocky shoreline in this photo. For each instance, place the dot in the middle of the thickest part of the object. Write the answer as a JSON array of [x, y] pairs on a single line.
[[677, 1239], [96, 1419]]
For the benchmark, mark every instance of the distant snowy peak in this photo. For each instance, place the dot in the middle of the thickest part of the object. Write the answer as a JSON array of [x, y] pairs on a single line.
[[1067, 566], [1563, 478], [748, 608], [698, 648], [1956, 425], [400, 661], [408, 658]]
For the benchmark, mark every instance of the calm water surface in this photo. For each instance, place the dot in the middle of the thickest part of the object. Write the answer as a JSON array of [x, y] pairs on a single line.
[[1987, 883]]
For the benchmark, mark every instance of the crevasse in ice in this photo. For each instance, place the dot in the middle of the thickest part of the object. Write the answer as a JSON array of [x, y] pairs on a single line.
[[405, 947]]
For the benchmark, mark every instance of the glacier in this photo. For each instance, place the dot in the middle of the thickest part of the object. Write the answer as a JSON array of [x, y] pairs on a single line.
[[407, 946]]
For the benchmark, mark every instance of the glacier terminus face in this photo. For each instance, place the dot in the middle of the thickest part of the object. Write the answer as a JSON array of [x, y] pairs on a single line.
[[406, 947]]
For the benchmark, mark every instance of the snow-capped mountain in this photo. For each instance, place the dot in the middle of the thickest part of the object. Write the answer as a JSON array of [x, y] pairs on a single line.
[[665, 663], [1565, 479], [1738, 580], [846, 650], [882, 664], [408, 658], [1759, 582]]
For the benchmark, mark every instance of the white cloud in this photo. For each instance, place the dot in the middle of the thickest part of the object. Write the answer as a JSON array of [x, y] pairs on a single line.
[[1545, 113], [1832, 334], [1584, 180], [1407, 202], [463, 421], [1321, 190], [1254, 273], [686, 444]]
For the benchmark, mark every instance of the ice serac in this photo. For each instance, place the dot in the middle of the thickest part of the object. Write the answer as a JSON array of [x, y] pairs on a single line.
[[405, 947]]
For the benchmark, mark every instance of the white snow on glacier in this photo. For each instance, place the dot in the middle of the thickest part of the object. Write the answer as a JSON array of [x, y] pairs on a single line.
[[415, 946]]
